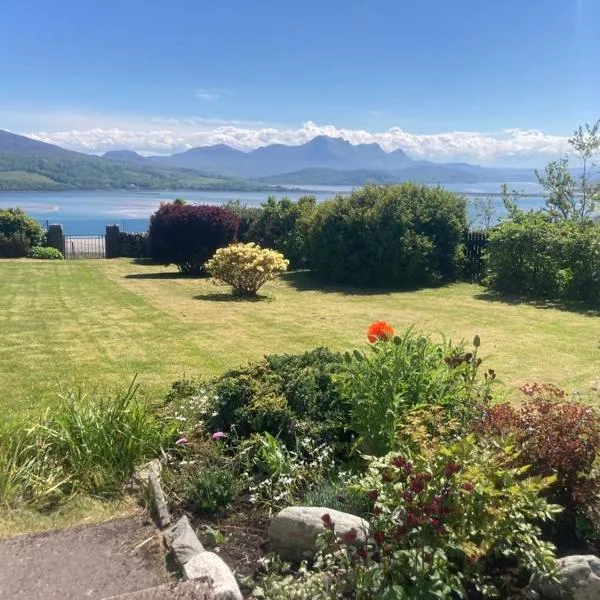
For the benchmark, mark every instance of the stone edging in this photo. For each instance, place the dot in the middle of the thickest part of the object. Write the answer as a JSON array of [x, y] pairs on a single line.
[[183, 543]]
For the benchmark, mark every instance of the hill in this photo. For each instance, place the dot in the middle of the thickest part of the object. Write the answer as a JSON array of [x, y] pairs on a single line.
[[27, 164]]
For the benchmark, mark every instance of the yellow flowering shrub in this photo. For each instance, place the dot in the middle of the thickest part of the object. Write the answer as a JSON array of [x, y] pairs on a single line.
[[246, 267]]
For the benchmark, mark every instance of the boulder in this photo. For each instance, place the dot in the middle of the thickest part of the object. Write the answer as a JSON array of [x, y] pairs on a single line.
[[579, 579], [294, 532], [182, 541], [207, 565]]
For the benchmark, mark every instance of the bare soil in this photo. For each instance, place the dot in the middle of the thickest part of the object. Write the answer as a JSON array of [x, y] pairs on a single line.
[[91, 561]]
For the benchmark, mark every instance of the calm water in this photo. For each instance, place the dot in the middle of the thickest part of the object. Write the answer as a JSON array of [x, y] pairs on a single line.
[[86, 213]]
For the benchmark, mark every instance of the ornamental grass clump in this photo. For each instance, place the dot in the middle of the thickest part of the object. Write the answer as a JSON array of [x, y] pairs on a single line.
[[246, 267]]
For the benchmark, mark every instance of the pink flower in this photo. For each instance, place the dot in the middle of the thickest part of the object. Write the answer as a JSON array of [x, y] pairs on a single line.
[[181, 441], [218, 435]]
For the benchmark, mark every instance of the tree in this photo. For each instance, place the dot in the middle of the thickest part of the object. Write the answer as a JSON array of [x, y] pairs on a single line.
[[586, 144], [485, 213], [562, 201], [565, 199]]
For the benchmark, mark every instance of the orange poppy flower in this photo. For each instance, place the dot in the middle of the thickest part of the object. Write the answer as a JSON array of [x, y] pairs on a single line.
[[380, 331]]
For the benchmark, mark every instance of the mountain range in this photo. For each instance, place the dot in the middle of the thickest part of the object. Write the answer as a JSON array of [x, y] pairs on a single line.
[[26, 163], [324, 160]]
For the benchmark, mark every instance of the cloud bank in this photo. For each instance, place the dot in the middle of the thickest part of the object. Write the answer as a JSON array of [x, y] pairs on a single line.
[[165, 136]]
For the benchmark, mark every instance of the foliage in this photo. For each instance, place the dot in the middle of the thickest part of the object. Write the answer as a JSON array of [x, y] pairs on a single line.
[[565, 199], [133, 245], [14, 246], [249, 215], [188, 235], [554, 435], [212, 490], [246, 267], [441, 517], [535, 256], [283, 225], [396, 235], [85, 444], [338, 493], [14, 222], [288, 396], [46, 252], [397, 374], [279, 477]]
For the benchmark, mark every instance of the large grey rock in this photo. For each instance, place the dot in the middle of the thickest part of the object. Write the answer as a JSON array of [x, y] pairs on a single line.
[[579, 579], [294, 532], [209, 566], [182, 541]]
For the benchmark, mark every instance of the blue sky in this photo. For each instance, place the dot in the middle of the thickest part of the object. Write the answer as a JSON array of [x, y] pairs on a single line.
[[446, 77]]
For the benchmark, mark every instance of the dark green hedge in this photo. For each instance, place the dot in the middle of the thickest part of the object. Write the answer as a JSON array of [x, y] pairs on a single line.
[[538, 257], [396, 235]]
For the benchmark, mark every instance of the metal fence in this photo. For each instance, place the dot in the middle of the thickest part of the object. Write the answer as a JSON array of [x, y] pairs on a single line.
[[84, 246], [475, 243]]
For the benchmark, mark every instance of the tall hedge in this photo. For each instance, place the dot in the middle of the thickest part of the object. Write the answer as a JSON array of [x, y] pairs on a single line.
[[187, 235], [536, 256], [394, 235]]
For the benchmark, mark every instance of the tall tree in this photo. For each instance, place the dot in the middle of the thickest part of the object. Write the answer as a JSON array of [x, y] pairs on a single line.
[[565, 199]]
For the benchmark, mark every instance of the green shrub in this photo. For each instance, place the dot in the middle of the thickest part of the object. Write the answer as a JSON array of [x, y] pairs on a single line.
[[395, 235], [14, 246], [15, 223], [47, 253], [285, 395], [399, 373], [212, 490], [283, 226], [134, 245], [535, 256]]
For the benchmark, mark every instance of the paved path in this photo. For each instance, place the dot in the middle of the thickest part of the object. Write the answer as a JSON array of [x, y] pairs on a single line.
[[92, 561]]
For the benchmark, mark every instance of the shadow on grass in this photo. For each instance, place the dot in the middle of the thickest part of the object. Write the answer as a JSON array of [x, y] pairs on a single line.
[[563, 305], [306, 281], [229, 297]]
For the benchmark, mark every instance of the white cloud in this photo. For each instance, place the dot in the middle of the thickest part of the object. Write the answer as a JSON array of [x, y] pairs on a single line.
[[153, 135], [207, 95]]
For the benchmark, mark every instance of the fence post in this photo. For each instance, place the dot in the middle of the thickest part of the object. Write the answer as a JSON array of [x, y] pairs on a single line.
[[112, 242], [55, 238]]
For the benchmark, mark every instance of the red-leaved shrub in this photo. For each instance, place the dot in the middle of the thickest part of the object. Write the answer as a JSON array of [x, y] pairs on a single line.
[[187, 235], [554, 436]]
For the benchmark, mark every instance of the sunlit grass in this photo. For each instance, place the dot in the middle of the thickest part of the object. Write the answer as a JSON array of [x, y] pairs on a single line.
[[98, 323]]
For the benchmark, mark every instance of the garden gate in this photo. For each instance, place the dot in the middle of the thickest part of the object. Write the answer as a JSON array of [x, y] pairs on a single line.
[[85, 246]]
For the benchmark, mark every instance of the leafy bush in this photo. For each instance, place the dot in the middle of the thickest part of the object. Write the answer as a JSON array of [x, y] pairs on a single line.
[[14, 246], [85, 444], [249, 216], [133, 245], [285, 395], [188, 235], [47, 253], [395, 235], [283, 225], [400, 373], [535, 256], [554, 436], [246, 267], [279, 477], [441, 520], [15, 223], [212, 491]]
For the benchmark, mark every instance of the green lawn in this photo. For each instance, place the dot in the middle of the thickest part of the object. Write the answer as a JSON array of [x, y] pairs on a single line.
[[101, 322]]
